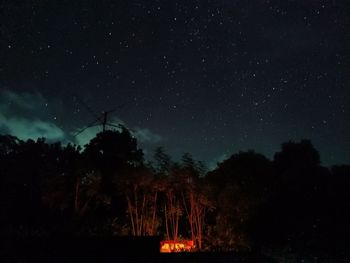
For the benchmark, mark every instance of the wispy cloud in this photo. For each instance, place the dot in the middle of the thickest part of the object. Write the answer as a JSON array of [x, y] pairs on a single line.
[[20, 117], [214, 163], [26, 116], [23, 100], [30, 129], [144, 135]]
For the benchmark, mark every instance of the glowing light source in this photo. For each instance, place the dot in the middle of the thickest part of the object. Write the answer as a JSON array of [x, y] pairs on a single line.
[[171, 246]]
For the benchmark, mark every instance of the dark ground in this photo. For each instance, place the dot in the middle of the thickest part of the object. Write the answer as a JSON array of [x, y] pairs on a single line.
[[128, 249]]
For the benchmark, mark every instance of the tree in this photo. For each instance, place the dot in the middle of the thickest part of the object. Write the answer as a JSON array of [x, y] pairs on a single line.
[[297, 156], [168, 179], [172, 209], [61, 183], [195, 197], [242, 184], [113, 150], [140, 188], [8, 145], [196, 202], [299, 206], [112, 154], [162, 161]]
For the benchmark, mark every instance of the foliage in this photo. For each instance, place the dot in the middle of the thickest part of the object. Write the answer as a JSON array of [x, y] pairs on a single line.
[[247, 203]]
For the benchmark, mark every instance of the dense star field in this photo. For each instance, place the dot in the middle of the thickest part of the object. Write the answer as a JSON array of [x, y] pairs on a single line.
[[206, 77]]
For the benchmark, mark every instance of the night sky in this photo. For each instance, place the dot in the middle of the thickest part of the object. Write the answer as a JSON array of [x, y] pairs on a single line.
[[206, 77]]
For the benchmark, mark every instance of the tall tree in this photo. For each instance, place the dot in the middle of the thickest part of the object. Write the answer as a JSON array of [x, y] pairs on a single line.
[[112, 154], [242, 184], [141, 189], [195, 197]]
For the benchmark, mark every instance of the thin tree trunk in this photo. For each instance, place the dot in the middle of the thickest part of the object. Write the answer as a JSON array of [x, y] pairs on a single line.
[[142, 211], [131, 216], [166, 222], [76, 197], [154, 213], [136, 212], [193, 230], [177, 221]]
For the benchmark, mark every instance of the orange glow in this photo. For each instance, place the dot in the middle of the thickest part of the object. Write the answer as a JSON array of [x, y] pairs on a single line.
[[171, 246]]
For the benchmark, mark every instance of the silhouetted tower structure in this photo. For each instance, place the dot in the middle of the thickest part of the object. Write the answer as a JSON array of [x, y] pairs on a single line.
[[100, 119]]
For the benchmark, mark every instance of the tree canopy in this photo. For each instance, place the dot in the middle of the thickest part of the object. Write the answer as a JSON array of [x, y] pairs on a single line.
[[247, 202]]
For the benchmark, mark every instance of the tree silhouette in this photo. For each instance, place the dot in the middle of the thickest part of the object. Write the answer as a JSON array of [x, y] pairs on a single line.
[[296, 156], [242, 183], [299, 211], [111, 151], [247, 203]]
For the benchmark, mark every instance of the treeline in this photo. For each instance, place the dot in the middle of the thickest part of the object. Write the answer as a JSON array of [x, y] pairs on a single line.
[[107, 189]]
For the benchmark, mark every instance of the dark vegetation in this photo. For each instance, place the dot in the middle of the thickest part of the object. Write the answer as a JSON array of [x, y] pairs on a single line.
[[248, 204]]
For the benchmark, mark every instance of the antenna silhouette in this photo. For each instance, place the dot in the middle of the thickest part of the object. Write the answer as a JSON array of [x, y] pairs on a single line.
[[101, 120]]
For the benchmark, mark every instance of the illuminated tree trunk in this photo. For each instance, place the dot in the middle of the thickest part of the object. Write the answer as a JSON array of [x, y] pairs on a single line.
[[141, 223], [153, 230], [142, 213], [131, 215], [172, 213], [166, 222], [195, 209]]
